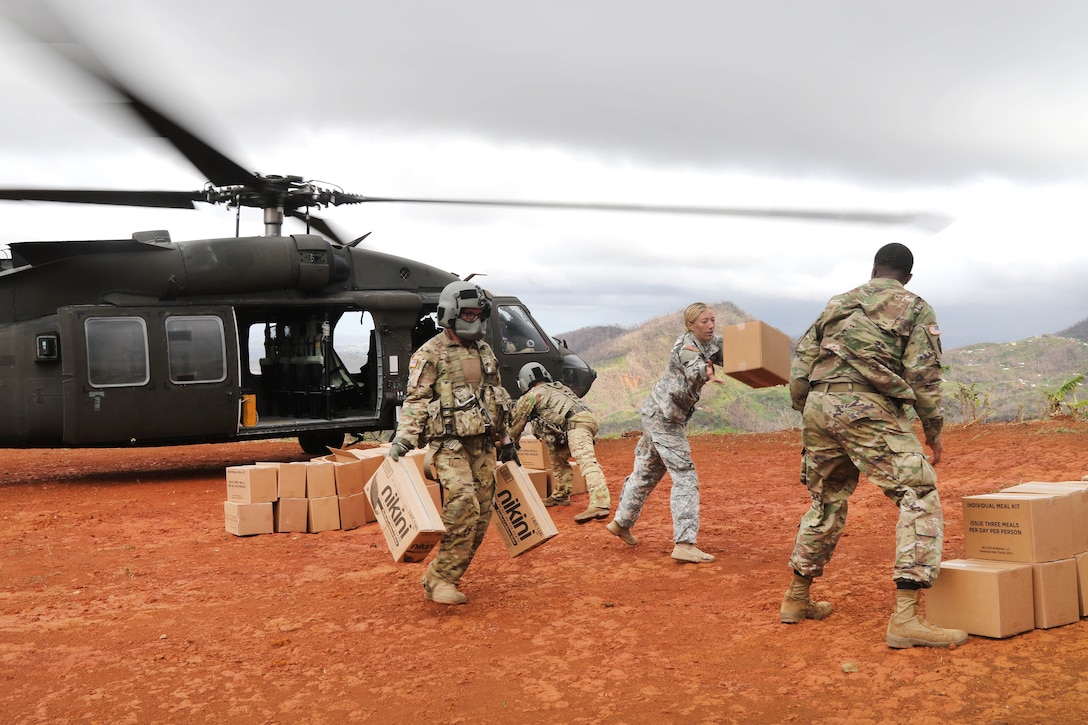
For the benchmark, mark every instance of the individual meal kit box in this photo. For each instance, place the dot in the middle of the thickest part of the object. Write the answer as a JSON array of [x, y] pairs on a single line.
[[982, 597], [1024, 527], [251, 484], [247, 519]]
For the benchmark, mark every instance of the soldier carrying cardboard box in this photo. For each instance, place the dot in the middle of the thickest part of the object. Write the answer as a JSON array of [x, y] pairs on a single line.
[[567, 426], [456, 403]]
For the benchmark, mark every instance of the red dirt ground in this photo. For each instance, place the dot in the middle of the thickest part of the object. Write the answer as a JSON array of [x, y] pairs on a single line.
[[123, 600]]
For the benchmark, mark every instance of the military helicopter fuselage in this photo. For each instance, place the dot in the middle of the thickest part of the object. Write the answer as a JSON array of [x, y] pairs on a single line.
[[147, 341]]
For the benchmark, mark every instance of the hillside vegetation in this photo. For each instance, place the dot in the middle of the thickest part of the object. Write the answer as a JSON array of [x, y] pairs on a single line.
[[991, 382]]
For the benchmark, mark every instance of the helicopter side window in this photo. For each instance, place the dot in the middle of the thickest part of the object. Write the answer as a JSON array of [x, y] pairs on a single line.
[[116, 351], [519, 334], [196, 349]]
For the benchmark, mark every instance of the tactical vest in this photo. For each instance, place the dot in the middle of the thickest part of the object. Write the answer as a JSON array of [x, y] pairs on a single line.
[[554, 412], [459, 411]]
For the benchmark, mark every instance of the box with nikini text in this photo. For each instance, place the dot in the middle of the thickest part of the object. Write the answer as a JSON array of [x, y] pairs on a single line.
[[1024, 527], [519, 514], [406, 513], [756, 354]]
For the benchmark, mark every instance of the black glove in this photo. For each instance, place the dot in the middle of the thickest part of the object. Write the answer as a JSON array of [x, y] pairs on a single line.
[[509, 452], [398, 449]]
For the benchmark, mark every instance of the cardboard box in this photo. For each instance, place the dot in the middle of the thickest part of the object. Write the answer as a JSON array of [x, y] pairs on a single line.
[[247, 519], [578, 485], [291, 515], [519, 514], [323, 514], [251, 484], [291, 477], [1077, 491], [1082, 581], [1024, 527], [435, 491], [320, 479], [756, 354], [982, 597], [353, 511], [533, 453], [541, 481], [1057, 601], [368, 460], [405, 511]]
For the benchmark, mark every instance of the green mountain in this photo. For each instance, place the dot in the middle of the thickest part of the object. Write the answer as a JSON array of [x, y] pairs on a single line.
[[992, 382]]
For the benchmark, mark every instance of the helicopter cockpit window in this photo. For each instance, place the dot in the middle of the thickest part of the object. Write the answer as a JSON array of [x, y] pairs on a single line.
[[116, 351], [519, 334], [196, 349]]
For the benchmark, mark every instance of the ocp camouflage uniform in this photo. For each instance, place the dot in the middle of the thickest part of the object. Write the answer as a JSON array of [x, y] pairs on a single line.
[[664, 443], [456, 403], [567, 426], [885, 341]]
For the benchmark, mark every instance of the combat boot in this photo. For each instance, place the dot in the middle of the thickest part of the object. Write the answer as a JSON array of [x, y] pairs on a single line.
[[593, 512], [907, 627], [557, 501], [691, 554], [623, 533], [441, 591], [797, 606]]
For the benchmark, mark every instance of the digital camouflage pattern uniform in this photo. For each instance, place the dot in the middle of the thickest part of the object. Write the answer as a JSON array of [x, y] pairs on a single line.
[[567, 426], [664, 443], [886, 340], [456, 403]]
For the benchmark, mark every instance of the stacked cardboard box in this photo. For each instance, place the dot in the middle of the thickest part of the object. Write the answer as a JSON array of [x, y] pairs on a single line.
[[1023, 546], [250, 492]]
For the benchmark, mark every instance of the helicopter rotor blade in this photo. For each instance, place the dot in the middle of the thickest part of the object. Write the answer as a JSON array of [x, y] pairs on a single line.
[[118, 197], [39, 22], [924, 220]]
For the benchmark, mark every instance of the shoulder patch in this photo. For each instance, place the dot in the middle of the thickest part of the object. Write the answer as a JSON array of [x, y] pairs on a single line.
[[934, 330]]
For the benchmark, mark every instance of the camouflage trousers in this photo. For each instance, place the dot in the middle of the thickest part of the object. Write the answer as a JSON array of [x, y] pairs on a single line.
[[579, 446], [844, 435], [466, 470], [663, 447]]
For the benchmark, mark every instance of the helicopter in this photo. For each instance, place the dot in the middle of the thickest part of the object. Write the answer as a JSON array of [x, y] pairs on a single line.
[[145, 340]]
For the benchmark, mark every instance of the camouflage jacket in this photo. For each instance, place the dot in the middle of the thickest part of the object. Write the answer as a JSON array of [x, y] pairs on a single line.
[[678, 390], [881, 334], [441, 403], [549, 406]]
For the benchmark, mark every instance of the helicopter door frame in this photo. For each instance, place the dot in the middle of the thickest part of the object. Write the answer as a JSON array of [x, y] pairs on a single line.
[[141, 375]]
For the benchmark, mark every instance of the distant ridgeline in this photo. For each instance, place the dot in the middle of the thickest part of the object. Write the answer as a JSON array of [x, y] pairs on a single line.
[[990, 382]]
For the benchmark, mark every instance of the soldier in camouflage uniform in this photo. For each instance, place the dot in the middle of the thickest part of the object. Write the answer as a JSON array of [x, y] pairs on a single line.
[[872, 352], [664, 443], [456, 404], [567, 426]]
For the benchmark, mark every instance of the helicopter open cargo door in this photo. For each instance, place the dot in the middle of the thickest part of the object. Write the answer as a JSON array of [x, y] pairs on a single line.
[[148, 375]]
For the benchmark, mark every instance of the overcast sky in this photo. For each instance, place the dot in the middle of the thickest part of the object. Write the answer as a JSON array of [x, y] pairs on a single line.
[[974, 109]]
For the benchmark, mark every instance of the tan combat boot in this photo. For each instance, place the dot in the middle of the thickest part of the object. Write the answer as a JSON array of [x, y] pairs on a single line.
[[907, 627], [625, 534], [441, 591], [591, 513], [690, 554], [797, 606]]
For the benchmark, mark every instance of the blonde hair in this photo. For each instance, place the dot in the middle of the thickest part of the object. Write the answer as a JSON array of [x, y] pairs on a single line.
[[691, 314]]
